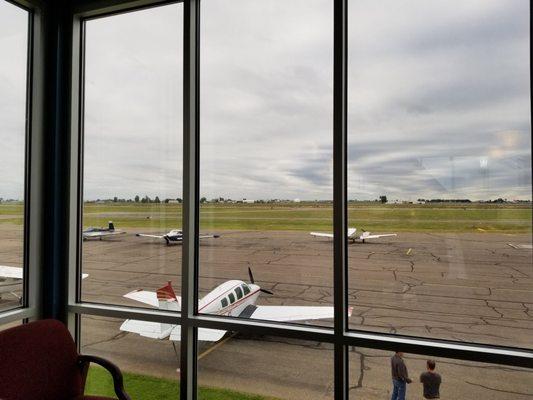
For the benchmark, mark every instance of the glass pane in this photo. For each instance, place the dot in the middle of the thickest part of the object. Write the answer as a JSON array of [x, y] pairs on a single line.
[[9, 325], [266, 368], [14, 58], [266, 157], [149, 366], [440, 155], [133, 155], [371, 378]]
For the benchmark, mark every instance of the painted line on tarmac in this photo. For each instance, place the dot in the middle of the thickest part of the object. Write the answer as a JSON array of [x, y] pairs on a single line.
[[216, 346]]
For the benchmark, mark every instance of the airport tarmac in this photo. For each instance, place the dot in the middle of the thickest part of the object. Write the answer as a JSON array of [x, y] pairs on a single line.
[[470, 287]]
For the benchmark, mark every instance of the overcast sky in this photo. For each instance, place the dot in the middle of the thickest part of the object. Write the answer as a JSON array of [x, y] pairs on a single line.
[[439, 100]]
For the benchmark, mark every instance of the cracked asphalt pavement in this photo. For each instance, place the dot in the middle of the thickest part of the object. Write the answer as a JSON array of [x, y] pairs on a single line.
[[466, 287]]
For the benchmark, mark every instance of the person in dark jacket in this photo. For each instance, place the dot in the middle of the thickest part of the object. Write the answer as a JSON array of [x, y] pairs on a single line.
[[400, 376], [431, 381]]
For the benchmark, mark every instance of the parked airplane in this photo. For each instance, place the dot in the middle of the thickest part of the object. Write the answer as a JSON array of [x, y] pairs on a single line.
[[99, 233], [174, 236], [10, 279], [232, 298], [352, 235]]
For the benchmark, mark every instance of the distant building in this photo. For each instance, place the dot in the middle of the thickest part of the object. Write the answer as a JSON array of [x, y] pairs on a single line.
[[248, 201], [297, 200]]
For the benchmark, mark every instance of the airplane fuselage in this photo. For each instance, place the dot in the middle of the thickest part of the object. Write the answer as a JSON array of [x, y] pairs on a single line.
[[230, 298]]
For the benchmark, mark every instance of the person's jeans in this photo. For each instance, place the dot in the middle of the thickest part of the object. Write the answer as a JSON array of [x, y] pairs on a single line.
[[398, 391]]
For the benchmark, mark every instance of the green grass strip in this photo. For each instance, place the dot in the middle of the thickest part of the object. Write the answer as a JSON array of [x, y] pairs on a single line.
[[142, 387]]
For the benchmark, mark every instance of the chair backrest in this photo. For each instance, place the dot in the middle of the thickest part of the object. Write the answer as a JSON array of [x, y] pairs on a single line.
[[38, 361]]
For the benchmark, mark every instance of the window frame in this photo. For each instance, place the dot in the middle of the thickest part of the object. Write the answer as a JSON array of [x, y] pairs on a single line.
[[34, 146], [190, 320]]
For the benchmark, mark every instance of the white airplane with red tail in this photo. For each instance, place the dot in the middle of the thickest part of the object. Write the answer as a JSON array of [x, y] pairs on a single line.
[[232, 298]]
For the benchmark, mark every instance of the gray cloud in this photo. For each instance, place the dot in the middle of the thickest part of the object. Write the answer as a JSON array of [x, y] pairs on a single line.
[[439, 100]]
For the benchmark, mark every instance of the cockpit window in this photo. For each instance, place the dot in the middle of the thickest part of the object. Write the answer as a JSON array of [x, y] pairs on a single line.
[[224, 302], [246, 289], [238, 291], [231, 298]]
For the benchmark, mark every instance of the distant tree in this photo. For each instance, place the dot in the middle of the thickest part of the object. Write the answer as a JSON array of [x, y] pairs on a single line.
[[137, 199], [156, 200], [383, 199], [115, 199], [179, 200], [203, 200]]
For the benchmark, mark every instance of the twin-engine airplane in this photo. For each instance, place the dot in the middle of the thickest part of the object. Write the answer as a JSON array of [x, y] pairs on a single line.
[[352, 236], [174, 236], [99, 233], [232, 298], [11, 277]]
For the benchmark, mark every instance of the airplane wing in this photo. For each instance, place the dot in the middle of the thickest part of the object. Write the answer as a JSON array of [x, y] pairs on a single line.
[[321, 234], [208, 236], [16, 272], [150, 236], [289, 313], [154, 330], [101, 234], [378, 236], [143, 296], [146, 297], [204, 334], [10, 272]]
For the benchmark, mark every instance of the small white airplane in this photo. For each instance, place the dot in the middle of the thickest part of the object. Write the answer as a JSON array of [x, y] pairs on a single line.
[[352, 236], [99, 233], [10, 279], [232, 298], [174, 236]]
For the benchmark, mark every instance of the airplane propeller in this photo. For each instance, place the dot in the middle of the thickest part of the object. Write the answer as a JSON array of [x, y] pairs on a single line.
[[253, 281]]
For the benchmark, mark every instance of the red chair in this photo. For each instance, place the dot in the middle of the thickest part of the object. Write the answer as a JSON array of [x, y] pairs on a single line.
[[39, 361]]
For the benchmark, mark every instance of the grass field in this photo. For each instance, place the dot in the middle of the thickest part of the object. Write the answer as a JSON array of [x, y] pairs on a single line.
[[99, 383], [474, 217]]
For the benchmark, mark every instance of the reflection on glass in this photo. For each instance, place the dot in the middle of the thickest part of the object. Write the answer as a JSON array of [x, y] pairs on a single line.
[[132, 155], [266, 159], [149, 366], [440, 155], [3, 327], [371, 377], [13, 50], [267, 368]]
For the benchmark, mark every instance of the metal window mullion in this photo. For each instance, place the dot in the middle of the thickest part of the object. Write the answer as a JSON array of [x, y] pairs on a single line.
[[339, 196], [33, 219], [191, 131]]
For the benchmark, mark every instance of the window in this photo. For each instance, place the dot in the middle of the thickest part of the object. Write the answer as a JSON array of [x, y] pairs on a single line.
[[275, 368], [13, 71], [266, 148], [439, 137], [132, 154], [259, 197], [370, 377], [148, 365]]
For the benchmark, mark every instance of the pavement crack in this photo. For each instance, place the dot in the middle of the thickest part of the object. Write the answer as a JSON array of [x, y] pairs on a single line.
[[499, 390]]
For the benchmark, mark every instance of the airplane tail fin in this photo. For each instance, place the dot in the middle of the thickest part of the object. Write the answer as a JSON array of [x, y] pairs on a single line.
[[111, 226], [351, 231], [167, 298]]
